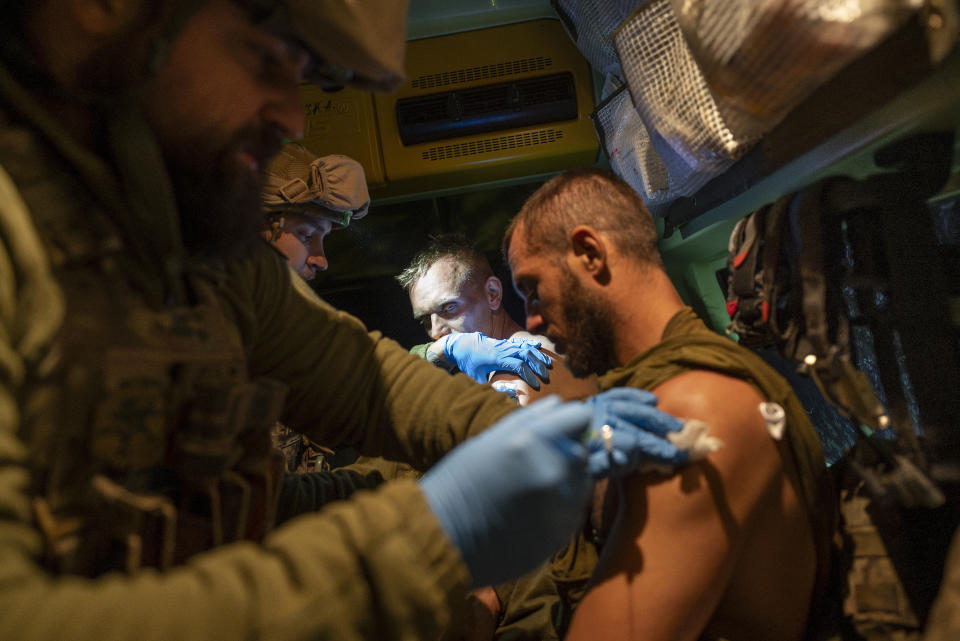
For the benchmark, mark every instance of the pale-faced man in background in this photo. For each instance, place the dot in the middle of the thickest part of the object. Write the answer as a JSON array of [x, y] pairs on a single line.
[[455, 294], [454, 291], [734, 547], [452, 288]]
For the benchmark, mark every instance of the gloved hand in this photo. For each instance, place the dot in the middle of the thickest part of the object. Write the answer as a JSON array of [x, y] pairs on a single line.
[[478, 356], [640, 434], [512, 495]]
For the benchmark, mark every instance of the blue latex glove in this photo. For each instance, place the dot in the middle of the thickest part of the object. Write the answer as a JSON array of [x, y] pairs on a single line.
[[639, 431], [512, 495], [478, 356]]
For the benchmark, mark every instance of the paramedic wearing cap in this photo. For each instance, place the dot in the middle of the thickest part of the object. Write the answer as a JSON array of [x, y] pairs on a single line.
[[306, 198]]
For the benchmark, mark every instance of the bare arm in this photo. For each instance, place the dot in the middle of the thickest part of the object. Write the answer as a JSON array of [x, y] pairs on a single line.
[[675, 547]]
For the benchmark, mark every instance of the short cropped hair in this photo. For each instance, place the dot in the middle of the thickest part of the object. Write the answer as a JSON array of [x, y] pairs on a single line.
[[470, 262], [586, 196]]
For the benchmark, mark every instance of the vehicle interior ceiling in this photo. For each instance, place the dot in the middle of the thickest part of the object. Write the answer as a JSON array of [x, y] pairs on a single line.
[[849, 124]]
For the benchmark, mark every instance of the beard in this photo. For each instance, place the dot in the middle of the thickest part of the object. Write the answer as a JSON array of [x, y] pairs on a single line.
[[589, 328], [219, 198]]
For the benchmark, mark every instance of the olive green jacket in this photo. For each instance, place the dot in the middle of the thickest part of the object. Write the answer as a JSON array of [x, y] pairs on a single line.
[[109, 364]]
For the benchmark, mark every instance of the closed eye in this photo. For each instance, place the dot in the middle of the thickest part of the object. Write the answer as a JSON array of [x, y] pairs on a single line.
[[528, 294], [276, 59], [526, 289], [264, 52]]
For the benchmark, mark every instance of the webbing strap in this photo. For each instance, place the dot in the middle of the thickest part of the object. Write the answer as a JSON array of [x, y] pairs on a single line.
[[747, 300], [745, 260], [783, 329], [806, 210], [150, 218]]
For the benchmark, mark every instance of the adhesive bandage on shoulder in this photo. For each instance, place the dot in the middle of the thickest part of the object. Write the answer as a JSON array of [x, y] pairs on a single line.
[[694, 437]]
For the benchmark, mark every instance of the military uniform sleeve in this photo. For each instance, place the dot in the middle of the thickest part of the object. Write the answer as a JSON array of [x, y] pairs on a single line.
[[348, 385], [310, 491], [420, 351], [389, 470], [376, 567]]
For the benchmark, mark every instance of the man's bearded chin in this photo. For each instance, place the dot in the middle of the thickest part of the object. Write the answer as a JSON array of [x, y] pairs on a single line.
[[220, 211], [589, 326]]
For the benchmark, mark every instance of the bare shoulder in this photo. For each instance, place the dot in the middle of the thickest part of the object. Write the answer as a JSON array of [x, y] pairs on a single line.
[[678, 542], [729, 406], [703, 394]]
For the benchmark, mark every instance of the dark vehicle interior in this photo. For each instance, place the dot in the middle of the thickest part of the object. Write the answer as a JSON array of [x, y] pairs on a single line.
[[502, 94]]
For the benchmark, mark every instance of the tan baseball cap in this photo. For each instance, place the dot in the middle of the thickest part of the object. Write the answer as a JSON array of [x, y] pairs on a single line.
[[360, 43], [334, 186]]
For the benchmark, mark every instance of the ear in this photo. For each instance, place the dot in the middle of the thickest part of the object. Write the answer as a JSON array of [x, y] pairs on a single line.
[[589, 250], [106, 17], [493, 289]]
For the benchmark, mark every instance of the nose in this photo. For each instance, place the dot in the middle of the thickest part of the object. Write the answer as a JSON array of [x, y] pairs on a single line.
[[317, 257], [535, 323], [283, 108], [438, 329], [318, 262], [284, 111]]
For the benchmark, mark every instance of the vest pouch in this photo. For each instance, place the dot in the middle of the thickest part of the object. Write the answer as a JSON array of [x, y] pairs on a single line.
[[131, 530], [229, 471], [876, 604], [880, 573], [261, 465], [236, 497], [205, 446], [205, 441], [260, 493]]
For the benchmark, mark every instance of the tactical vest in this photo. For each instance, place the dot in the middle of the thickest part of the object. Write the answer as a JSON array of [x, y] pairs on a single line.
[[147, 441]]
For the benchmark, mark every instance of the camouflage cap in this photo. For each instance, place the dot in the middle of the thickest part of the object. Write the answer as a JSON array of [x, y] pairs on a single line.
[[334, 186], [360, 43]]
